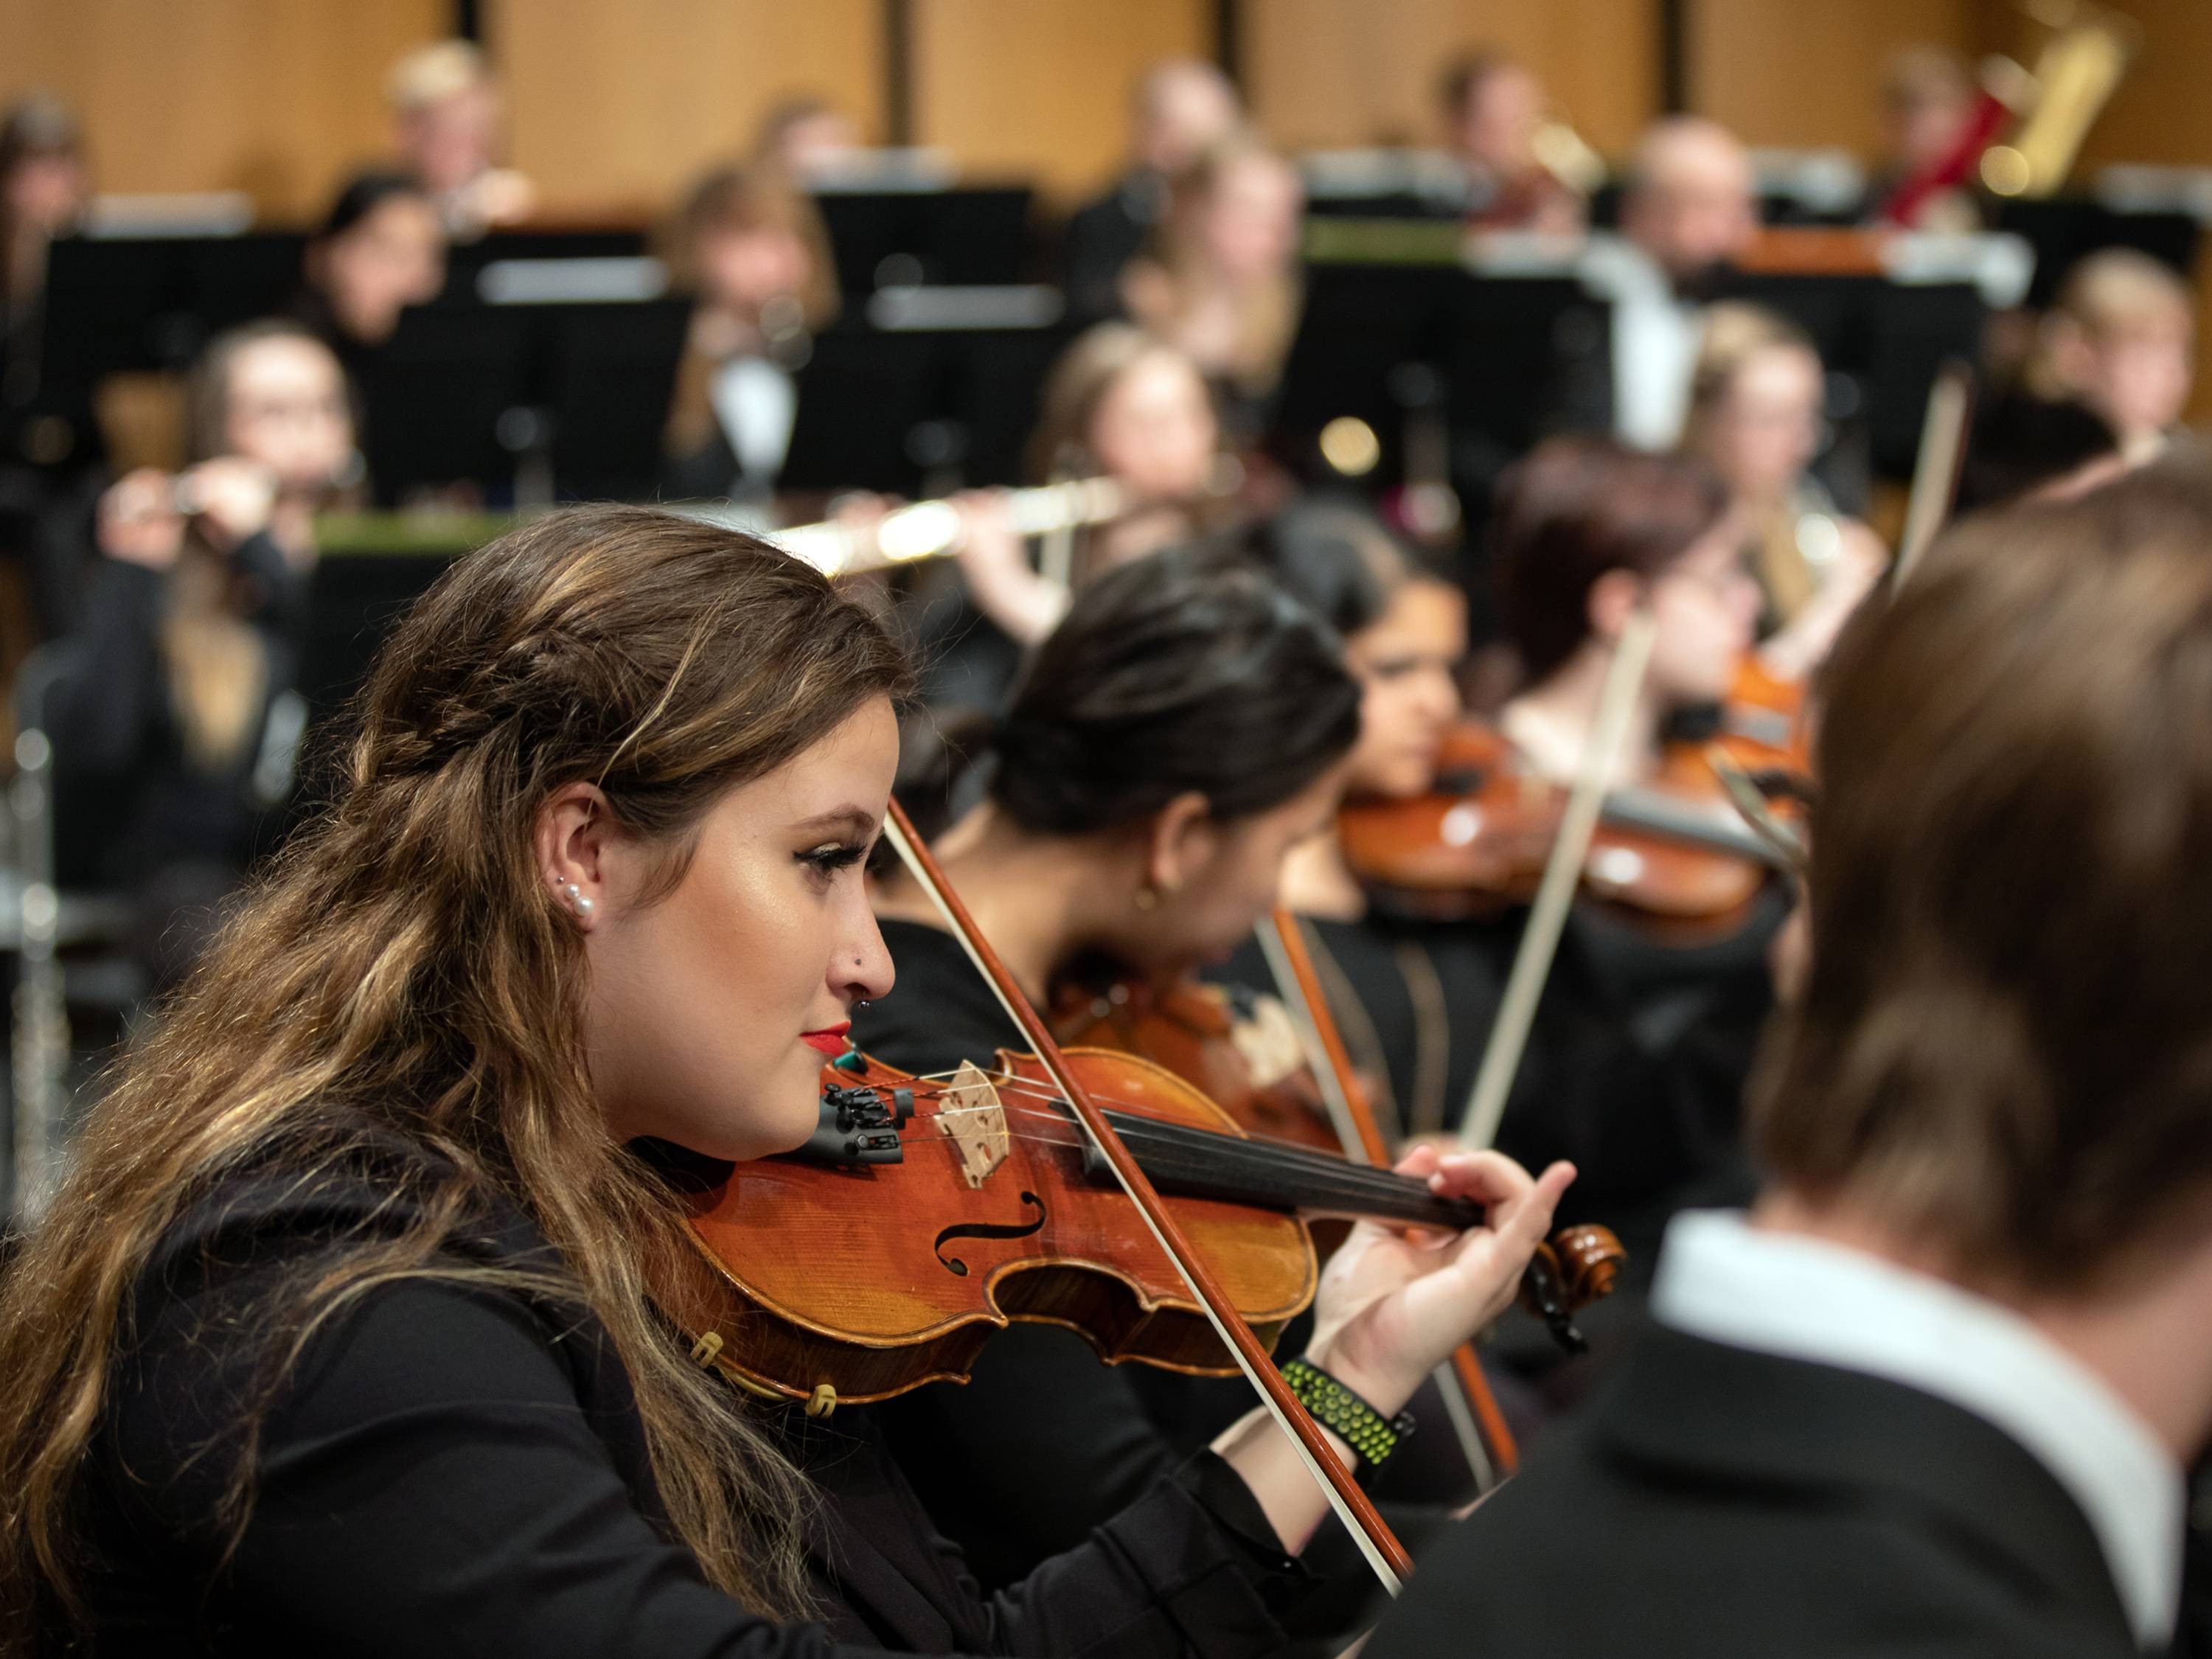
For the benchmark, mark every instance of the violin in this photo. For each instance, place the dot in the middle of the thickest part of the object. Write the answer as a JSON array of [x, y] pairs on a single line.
[[1241, 1051], [1235, 1047], [927, 1214], [1673, 853]]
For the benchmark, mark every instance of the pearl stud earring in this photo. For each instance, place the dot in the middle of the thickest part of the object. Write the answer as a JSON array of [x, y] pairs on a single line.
[[576, 897]]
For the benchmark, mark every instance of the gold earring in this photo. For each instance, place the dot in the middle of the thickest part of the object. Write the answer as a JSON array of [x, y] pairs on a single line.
[[1146, 898]]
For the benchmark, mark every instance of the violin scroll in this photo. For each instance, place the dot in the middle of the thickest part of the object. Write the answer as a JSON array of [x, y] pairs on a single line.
[[1575, 1267]]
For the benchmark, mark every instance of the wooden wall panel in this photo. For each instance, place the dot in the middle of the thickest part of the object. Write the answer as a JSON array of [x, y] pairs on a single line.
[[1352, 72], [277, 97], [1040, 88], [624, 103], [1807, 74]]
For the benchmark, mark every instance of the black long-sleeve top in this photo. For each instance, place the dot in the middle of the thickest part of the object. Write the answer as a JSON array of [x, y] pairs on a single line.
[[1043, 1443], [457, 1469], [122, 767]]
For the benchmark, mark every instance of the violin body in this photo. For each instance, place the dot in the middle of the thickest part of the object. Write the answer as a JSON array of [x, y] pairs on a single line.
[[1672, 854], [873, 1279], [1238, 1049]]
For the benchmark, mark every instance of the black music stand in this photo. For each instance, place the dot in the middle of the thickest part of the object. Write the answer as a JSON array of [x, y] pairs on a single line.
[[941, 237], [479, 394], [118, 305], [2064, 229]]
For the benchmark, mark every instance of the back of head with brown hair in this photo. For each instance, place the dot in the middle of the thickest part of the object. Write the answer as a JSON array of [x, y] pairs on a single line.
[[1577, 508], [2003, 1052]]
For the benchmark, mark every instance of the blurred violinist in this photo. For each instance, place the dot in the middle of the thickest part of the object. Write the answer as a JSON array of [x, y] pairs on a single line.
[[175, 729], [447, 114], [1645, 1036], [1414, 998], [1178, 110], [1493, 108], [1222, 281], [750, 250], [1757, 418]]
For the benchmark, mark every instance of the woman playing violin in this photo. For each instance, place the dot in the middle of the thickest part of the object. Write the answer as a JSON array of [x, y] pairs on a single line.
[[1186, 730], [1414, 999], [1642, 1040], [342, 1332]]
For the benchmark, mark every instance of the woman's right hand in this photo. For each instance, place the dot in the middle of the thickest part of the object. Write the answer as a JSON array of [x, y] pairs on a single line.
[[138, 523]]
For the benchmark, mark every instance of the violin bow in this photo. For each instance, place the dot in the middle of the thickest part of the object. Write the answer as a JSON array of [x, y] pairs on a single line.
[[1384, 1554], [1555, 895], [1460, 1381], [1937, 465]]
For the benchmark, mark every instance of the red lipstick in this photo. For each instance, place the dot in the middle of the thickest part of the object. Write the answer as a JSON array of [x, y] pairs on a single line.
[[829, 1040]]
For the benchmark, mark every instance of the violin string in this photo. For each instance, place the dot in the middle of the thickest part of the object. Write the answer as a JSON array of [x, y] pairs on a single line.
[[1305, 1175], [1314, 1163]]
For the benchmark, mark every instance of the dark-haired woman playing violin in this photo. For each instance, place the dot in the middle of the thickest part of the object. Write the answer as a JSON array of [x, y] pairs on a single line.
[[344, 1330], [1186, 728]]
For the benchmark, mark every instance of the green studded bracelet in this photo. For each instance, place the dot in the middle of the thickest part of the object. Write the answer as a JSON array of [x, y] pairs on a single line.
[[1367, 1431]]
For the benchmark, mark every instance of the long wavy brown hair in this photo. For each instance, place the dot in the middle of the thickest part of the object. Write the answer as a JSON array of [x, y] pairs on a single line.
[[402, 969]]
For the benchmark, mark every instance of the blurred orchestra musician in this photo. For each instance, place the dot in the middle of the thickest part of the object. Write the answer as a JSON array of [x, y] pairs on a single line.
[[1936, 1392], [1756, 419], [1415, 998], [1643, 1037], [750, 250], [2122, 340], [1687, 212], [1493, 108], [45, 183], [446, 117], [803, 137], [1120, 405], [2106, 381], [1933, 125], [379, 249], [178, 721], [1222, 280], [1178, 110]]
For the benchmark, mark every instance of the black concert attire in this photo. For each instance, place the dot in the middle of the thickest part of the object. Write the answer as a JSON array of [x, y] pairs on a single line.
[[1044, 1443], [1633, 1071], [1636, 1065], [1414, 1001], [454, 1467], [1103, 235], [1818, 1453], [136, 810]]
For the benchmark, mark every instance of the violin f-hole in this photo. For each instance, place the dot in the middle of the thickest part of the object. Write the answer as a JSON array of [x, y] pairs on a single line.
[[988, 1230]]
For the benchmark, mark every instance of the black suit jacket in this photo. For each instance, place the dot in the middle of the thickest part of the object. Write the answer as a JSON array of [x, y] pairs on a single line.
[[1723, 1504], [452, 1468]]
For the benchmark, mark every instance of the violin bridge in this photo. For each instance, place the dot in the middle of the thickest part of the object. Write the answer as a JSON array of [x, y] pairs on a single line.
[[975, 1122], [1262, 1032]]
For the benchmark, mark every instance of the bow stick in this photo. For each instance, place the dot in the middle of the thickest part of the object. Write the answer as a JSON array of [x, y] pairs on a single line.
[[1384, 1554]]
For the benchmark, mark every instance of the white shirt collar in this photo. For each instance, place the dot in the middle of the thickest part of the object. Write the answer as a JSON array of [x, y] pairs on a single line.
[[1804, 1298]]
